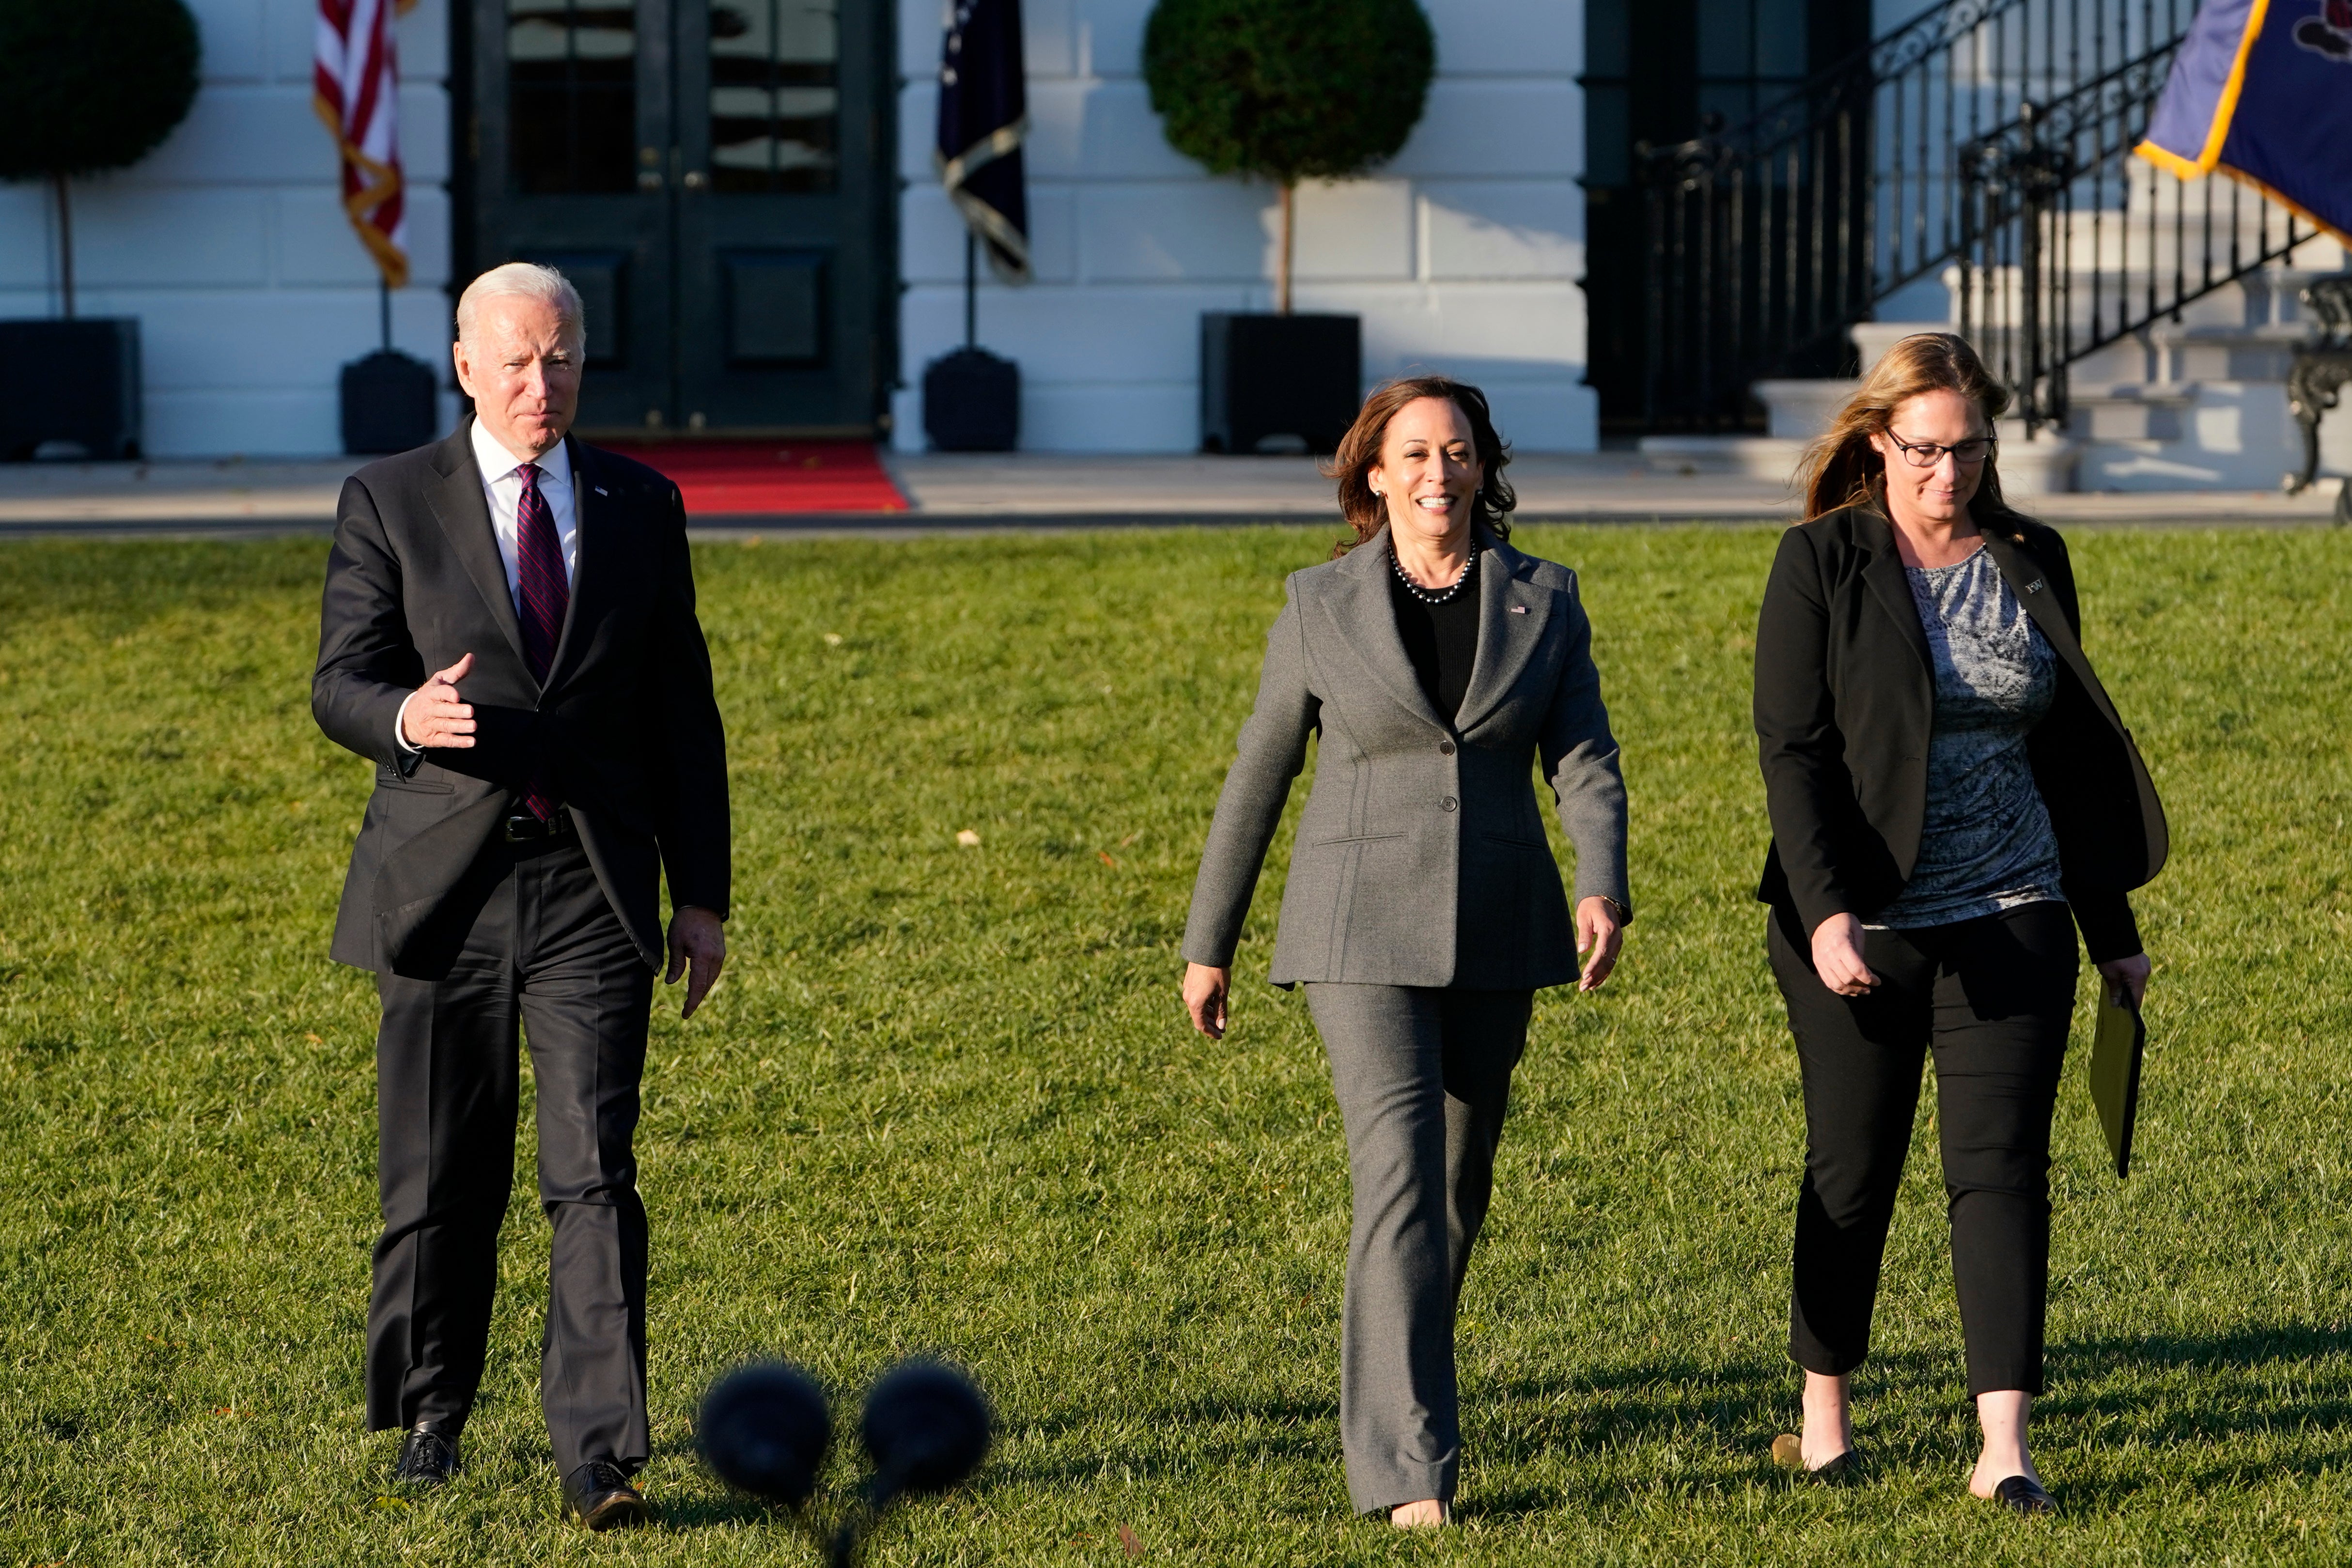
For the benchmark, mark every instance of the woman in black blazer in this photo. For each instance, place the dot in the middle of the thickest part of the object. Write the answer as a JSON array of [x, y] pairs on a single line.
[[1952, 795]]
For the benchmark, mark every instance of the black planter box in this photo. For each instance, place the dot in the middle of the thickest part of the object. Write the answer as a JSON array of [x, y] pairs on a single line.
[[971, 402], [70, 389], [389, 404], [1279, 380]]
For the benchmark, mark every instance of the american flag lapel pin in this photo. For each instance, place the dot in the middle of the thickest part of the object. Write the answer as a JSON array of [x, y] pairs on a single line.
[[1518, 609], [602, 491]]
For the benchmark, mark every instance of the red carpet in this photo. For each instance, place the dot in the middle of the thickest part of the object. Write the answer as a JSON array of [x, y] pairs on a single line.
[[718, 478]]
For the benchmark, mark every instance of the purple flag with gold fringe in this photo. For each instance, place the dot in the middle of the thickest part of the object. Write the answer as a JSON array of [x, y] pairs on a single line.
[[2262, 90]]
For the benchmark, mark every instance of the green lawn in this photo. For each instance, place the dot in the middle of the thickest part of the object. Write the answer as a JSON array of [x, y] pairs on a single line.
[[944, 1101]]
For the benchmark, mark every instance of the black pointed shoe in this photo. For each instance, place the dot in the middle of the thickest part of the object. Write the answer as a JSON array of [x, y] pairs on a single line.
[[428, 1456], [600, 1493], [2024, 1494]]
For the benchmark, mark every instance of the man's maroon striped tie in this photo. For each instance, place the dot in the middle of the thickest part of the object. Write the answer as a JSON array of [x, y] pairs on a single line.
[[545, 593]]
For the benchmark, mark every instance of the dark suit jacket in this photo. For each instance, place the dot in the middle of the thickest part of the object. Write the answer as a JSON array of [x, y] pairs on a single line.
[[1844, 700], [1421, 858], [626, 721]]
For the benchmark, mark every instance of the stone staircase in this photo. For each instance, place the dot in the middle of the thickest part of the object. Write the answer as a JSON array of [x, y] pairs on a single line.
[[2194, 404]]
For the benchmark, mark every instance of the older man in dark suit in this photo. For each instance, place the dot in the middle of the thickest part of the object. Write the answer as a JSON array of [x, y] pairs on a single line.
[[509, 635]]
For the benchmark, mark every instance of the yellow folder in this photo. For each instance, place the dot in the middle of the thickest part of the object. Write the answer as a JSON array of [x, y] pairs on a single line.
[[2118, 1041]]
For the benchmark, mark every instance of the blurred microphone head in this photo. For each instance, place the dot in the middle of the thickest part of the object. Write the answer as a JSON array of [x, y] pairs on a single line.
[[927, 1427], [764, 1429]]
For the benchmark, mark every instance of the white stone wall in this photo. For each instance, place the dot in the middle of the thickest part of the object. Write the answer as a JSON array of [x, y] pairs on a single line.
[[230, 245], [1462, 255]]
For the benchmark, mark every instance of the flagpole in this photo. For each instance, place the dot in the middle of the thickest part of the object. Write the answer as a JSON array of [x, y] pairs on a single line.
[[384, 308], [970, 290]]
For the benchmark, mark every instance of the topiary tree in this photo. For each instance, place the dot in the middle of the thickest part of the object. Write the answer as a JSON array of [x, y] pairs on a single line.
[[86, 86], [1288, 90]]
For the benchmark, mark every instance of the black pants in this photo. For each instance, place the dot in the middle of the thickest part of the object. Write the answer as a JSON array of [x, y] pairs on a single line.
[[1424, 1078], [545, 950], [1992, 997]]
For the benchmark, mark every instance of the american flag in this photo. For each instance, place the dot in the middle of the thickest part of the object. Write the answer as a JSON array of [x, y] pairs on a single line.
[[356, 89]]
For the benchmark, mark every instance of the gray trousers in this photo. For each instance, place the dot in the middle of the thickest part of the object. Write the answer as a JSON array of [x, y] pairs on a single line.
[[542, 949], [1422, 1077]]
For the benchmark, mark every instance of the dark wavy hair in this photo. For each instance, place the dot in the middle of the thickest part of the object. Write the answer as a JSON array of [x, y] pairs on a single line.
[[1359, 453]]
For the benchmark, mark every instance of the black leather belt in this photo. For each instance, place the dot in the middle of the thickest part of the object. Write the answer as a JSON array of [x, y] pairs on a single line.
[[522, 828]]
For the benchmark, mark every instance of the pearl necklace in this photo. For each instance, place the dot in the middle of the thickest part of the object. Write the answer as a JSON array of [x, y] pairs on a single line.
[[1424, 595]]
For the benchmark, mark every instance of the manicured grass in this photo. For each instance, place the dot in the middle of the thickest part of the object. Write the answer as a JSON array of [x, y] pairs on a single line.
[[943, 1100]]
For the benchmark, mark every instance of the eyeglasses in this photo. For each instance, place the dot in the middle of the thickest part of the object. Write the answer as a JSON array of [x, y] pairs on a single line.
[[1927, 453]]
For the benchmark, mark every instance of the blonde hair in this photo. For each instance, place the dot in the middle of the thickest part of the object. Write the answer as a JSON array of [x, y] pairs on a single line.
[[1841, 468], [524, 280]]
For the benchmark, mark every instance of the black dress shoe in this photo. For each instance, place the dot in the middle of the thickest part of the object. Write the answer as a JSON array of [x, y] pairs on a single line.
[[428, 1456], [600, 1493], [2024, 1494]]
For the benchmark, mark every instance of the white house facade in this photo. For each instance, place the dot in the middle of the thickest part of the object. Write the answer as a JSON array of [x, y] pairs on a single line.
[[230, 246], [744, 190], [1463, 255]]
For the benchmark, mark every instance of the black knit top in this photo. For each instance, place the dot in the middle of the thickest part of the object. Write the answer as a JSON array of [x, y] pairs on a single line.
[[1442, 640]]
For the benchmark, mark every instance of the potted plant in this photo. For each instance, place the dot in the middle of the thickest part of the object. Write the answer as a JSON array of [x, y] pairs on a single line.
[[85, 88], [1285, 90]]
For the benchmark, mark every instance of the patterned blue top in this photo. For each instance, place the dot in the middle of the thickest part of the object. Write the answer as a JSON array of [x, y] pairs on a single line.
[[1987, 844]]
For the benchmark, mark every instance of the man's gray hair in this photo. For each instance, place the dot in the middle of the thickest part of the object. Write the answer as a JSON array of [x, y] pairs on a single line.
[[524, 280]]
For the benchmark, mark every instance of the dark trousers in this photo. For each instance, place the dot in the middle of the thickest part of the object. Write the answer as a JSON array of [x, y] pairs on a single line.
[[1991, 997], [1424, 1078], [545, 950]]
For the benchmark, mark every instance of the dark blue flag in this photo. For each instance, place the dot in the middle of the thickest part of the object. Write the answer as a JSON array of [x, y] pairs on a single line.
[[983, 116], [2262, 90]]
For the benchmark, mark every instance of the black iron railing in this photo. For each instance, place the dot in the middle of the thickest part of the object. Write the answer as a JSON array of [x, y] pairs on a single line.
[[1770, 239], [2071, 243]]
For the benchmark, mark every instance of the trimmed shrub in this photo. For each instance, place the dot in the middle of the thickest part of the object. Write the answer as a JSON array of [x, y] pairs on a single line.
[[86, 86], [1288, 90]]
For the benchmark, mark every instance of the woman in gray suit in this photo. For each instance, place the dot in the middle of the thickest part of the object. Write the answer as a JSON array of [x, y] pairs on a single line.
[[1424, 908]]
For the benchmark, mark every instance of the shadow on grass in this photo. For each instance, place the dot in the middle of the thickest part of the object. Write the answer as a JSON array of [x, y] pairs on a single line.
[[2237, 1393], [721, 1510], [2245, 1348], [1728, 1414], [2242, 1385], [1214, 1430]]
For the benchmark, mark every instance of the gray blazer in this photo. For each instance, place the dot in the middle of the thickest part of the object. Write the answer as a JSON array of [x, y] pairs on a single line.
[[1421, 858]]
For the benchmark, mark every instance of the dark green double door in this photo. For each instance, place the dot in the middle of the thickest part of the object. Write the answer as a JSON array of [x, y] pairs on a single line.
[[713, 176]]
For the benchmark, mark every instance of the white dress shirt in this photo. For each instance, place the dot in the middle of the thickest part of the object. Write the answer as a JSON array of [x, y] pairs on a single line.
[[502, 487]]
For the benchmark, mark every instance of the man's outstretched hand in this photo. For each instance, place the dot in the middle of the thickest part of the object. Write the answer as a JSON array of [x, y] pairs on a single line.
[[697, 949]]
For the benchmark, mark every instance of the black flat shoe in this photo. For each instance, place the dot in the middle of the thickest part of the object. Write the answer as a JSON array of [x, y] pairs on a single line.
[[600, 1493], [1843, 1470], [2024, 1494], [428, 1456], [1788, 1452]]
